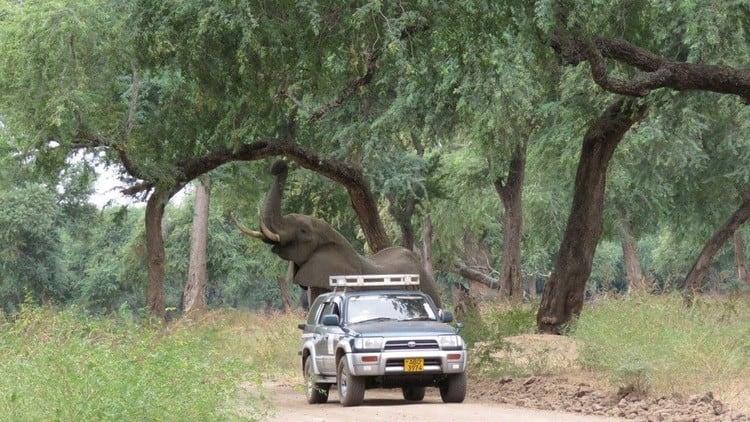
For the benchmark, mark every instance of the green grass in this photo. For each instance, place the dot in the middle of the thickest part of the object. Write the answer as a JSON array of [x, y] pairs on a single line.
[[62, 365], [655, 344]]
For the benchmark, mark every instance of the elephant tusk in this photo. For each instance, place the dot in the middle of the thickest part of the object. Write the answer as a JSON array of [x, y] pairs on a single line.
[[268, 233], [246, 231]]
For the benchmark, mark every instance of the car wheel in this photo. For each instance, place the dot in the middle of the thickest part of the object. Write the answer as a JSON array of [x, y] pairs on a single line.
[[453, 389], [351, 388], [413, 393], [316, 392]]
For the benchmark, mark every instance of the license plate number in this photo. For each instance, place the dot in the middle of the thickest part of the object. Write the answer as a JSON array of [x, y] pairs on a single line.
[[413, 365]]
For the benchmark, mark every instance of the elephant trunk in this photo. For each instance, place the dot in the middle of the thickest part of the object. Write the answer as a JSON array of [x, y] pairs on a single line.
[[270, 219]]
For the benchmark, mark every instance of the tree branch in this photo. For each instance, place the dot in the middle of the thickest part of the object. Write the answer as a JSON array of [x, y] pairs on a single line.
[[656, 71], [472, 274]]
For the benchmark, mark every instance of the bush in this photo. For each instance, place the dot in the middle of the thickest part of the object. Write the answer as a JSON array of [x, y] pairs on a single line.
[[69, 366]]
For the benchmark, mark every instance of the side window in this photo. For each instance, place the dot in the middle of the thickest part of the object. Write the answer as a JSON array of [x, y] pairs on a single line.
[[329, 308], [315, 313]]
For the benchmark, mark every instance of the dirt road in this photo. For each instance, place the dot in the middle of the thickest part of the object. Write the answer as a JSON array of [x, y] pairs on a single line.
[[388, 405]]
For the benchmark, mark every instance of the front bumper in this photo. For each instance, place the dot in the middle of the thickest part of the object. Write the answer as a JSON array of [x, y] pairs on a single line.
[[436, 362]]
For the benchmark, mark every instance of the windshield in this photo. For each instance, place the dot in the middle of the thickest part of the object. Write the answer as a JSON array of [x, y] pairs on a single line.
[[389, 307]]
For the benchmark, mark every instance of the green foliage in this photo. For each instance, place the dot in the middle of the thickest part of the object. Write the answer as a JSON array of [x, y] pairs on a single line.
[[30, 247], [655, 343], [493, 323], [242, 272], [66, 366]]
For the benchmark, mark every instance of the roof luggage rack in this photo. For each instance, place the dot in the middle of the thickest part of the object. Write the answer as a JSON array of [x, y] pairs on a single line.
[[374, 280]]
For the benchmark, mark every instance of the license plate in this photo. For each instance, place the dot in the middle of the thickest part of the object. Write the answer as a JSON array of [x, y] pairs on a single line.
[[414, 365]]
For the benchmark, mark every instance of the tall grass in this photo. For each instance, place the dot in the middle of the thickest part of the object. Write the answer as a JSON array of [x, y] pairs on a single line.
[[655, 344], [63, 365]]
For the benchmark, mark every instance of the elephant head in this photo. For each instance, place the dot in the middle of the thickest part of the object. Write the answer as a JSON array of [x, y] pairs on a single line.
[[317, 251]]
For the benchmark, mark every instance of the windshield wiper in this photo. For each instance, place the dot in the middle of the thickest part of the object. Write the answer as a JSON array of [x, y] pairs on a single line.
[[378, 319]]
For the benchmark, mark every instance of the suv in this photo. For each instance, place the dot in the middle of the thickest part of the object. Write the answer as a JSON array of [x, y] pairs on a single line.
[[388, 337]]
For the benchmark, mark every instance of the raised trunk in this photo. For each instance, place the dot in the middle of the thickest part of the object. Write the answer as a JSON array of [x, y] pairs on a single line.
[[739, 257], [563, 294], [633, 272], [194, 296], [271, 212], [510, 194], [700, 268], [155, 302]]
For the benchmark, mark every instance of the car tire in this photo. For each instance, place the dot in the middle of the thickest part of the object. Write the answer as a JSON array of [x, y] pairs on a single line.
[[413, 393], [453, 389], [351, 388], [316, 393]]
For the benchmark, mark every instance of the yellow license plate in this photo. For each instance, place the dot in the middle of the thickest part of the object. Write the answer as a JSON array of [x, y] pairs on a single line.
[[414, 365]]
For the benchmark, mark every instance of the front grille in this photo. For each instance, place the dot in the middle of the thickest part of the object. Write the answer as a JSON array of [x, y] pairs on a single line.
[[417, 345], [390, 363]]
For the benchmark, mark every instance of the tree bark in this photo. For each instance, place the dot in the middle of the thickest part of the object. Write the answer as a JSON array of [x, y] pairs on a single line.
[[286, 298], [402, 213], [562, 298], [739, 257], [427, 246], [700, 268], [194, 297], [155, 301], [510, 194], [633, 271]]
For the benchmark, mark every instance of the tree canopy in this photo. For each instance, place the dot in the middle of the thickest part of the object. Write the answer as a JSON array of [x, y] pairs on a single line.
[[483, 119]]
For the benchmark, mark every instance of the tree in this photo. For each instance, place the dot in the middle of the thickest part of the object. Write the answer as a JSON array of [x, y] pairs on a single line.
[[645, 71], [564, 291], [194, 297]]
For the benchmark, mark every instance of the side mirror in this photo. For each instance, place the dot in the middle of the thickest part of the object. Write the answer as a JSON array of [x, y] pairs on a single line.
[[446, 316], [301, 326], [331, 320]]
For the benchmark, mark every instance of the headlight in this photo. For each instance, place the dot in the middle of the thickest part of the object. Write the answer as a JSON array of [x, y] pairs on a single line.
[[368, 343], [451, 342]]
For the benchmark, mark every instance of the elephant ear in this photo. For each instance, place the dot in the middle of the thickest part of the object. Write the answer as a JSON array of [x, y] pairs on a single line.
[[324, 263]]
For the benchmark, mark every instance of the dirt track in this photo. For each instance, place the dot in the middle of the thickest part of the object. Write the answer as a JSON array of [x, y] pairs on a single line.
[[388, 405]]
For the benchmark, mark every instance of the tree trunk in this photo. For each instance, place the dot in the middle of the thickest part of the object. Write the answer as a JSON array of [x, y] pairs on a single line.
[[739, 257], [427, 246], [286, 298], [633, 271], [194, 297], [510, 193], [696, 275], [402, 213], [367, 212], [155, 302], [562, 298]]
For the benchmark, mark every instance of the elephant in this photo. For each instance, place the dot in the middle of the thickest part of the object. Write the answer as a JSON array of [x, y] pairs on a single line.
[[316, 250]]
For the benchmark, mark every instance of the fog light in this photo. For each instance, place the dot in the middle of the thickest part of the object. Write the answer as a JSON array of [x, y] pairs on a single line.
[[372, 359], [454, 356]]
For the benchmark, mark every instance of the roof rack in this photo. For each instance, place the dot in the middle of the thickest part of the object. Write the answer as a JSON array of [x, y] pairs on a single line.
[[374, 280]]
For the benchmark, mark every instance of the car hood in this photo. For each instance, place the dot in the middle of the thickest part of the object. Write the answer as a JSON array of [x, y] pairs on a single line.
[[401, 328]]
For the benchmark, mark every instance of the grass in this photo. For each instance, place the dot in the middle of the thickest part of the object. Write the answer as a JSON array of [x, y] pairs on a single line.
[[63, 365], [648, 345], [655, 344]]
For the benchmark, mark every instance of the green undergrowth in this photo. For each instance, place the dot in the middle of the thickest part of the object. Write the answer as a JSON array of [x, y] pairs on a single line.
[[64, 365], [649, 344], [656, 344]]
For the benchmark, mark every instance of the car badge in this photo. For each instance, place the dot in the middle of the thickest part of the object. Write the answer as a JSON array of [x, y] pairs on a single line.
[[412, 344]]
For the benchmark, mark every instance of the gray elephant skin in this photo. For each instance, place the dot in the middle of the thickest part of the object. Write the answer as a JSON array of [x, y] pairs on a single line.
[[316, 250]]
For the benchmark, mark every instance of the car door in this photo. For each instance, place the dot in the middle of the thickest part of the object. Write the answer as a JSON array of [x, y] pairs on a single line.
[[325, 340]]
